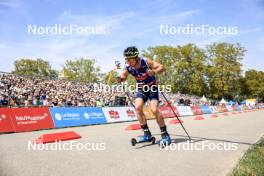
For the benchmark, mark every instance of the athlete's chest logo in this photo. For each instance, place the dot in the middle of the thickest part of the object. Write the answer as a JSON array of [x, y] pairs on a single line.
[[141, 73]]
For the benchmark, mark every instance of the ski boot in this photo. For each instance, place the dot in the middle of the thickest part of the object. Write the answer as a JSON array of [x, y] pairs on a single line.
[[165, 140]]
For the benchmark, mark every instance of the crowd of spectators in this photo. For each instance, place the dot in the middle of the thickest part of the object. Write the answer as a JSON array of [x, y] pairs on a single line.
[[26, 91]]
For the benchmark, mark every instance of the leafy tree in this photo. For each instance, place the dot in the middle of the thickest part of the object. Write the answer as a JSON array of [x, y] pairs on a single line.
[[81, 70], [193, 64], [38, 67], [224, 69], [168, 56], [110, 78], [185, 67], [254, 81]]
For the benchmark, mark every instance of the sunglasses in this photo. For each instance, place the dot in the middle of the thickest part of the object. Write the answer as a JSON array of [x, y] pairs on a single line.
[[130, 58]]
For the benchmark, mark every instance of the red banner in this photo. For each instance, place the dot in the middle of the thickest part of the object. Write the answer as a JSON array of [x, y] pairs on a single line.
[[5, 120], [166, 111], [29, 119], [196, 110]]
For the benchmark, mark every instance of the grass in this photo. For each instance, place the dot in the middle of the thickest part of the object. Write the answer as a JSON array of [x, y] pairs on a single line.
[[252, 163]]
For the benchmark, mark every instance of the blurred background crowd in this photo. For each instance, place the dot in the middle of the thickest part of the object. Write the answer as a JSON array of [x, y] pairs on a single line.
[[26, 91]]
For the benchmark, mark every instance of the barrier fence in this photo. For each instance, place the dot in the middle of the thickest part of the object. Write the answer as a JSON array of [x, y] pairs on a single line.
[[30, 119]]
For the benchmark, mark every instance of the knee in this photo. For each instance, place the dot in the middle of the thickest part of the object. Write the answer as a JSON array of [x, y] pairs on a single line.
[[155, 111], [139, 109]]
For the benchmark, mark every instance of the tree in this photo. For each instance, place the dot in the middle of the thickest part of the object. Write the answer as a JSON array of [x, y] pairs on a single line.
[[33, 67], [168, 56], [81, 70], [185, 67], [224, 69], [192, 66], [110, 78], [254, 81]]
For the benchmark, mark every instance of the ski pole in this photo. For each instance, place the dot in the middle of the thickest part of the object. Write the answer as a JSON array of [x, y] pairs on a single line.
[[175, 114]]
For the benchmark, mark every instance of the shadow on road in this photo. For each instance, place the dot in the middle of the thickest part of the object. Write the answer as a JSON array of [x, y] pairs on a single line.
[[182, 138]]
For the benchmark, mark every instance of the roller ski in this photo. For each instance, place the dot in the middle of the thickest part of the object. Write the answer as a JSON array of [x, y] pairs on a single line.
[[143, 139], [147, 137]]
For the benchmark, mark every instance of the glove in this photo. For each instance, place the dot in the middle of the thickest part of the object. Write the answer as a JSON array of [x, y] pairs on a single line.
[[150, 72]]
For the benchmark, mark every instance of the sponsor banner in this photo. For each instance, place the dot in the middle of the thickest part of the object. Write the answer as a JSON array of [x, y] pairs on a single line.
[[184, 110], [166, 112], [196, 110], [213, 109], [261, 106], [119, 114], [206, 109], [70, 116], [29, 119], [229, 108], [5, 120], [130, 113]]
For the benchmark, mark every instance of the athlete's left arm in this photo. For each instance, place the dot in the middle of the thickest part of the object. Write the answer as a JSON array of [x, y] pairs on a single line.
[[155, 66]]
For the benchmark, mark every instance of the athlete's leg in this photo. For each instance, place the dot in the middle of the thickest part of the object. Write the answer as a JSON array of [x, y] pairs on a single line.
[[154, 107], [154, 104], [139, 104]]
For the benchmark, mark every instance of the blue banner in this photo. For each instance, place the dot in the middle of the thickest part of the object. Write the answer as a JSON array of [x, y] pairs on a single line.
[[70, 116], [239, 108], [206, 109]]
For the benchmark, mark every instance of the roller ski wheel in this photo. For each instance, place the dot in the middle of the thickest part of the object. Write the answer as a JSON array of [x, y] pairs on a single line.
[[133, 141], [143, 139]]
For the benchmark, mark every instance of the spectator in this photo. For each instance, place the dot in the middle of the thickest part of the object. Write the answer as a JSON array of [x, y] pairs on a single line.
[[16, 90]]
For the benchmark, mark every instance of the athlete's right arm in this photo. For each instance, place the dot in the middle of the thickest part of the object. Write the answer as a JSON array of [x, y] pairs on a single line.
[[123, 76]]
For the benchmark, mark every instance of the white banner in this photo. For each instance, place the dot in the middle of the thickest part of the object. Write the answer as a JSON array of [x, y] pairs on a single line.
[[119, 114], [229, 108], [184, 110], [213, 108], [250, 107]]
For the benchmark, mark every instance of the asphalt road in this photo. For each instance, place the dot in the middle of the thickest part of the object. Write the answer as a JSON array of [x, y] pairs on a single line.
[[106, 149]]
